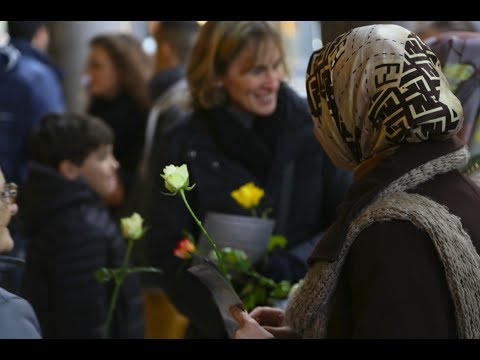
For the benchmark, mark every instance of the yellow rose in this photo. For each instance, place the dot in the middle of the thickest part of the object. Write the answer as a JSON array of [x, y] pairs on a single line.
[[248, 196]]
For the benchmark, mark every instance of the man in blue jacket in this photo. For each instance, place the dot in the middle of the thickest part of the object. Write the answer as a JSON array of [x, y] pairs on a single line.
[[32, 38], [29, 88]]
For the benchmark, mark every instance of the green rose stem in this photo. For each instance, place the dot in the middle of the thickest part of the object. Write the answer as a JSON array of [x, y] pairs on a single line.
[[212, 243], [118, 277], [257, 276]]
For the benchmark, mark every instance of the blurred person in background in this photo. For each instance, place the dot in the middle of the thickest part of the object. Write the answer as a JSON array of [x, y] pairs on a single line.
[[32, 39], [459, 55], [118, 71], [169, 90], [30, 87], [248, 125]]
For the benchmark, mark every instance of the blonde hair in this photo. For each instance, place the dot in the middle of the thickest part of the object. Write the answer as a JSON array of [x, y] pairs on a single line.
[[218, 44]]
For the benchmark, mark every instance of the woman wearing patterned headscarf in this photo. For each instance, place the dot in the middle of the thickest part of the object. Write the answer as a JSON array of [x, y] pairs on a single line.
[[402, 259]]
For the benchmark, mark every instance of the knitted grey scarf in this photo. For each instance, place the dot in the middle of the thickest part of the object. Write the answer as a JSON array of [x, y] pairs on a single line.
[[308, 309]]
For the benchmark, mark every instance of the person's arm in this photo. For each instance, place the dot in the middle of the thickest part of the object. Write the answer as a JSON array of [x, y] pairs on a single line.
[[18, 320], [398, 285]]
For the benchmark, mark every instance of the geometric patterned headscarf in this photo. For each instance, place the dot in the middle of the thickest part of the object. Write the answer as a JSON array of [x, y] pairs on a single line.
[[376, 87]]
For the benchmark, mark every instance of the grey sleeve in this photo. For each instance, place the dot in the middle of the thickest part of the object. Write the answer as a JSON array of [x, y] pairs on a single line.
[[18, 320]]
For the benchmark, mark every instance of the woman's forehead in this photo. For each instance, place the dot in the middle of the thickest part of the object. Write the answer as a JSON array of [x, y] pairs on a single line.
[[259, 52]]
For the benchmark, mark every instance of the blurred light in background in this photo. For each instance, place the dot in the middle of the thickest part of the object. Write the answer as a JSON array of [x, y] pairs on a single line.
[[3, 33], [149, 45]]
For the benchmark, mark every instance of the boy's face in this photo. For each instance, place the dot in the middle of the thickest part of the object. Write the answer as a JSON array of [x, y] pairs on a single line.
[[99, 170]]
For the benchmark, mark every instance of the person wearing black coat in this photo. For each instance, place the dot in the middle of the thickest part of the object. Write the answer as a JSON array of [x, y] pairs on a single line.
[[248, 127], [118, 71], [73, 234]]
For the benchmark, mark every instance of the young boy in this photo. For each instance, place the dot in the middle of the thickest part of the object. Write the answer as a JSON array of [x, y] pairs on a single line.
[[72, 234]]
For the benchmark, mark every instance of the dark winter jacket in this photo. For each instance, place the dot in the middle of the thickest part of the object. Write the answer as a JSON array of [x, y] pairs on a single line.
[[27, 92], [393, 284], [72, 237], [224, 150]]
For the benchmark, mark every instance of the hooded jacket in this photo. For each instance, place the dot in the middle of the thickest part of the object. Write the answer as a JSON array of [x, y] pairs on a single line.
[[72, 236]]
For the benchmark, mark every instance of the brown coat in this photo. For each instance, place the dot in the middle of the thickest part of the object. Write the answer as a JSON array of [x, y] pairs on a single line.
[[393, 284]]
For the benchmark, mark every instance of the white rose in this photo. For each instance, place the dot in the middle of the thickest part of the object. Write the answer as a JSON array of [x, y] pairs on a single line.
[[132, 227]]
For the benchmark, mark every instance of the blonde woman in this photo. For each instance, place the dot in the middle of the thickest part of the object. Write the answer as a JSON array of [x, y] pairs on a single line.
[[248, 125]]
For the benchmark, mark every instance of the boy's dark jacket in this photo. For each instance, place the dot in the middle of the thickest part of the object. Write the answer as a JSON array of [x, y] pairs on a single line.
[[73, 235]]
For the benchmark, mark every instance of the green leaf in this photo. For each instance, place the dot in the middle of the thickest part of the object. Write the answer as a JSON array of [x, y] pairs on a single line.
[[236, 259], [276, 241], [281, 290], [103, 275], [253, 296]]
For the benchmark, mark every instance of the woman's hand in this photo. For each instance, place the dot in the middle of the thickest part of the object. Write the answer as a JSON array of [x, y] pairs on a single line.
[[262, 323], [248, 328], [273, 320], [268, 316]]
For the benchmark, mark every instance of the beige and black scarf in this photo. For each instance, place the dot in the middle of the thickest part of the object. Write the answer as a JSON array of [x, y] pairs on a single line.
[[377, 87]]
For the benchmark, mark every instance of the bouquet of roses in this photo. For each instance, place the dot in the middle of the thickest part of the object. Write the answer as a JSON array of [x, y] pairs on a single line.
[[253, 288]]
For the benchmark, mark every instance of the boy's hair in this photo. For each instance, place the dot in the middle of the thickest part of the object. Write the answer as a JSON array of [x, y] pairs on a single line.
[[68, 136]]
